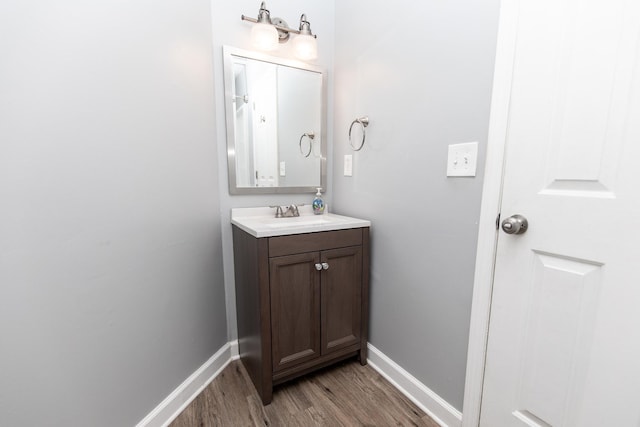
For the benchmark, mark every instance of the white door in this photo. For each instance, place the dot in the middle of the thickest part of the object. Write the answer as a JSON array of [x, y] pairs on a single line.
[[564, 335]]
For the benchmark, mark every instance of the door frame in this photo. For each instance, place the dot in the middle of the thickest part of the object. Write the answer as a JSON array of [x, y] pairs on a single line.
[[490, 208]]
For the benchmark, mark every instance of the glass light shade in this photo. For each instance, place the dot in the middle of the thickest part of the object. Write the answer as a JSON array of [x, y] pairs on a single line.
[[305, 47], [264, 36]]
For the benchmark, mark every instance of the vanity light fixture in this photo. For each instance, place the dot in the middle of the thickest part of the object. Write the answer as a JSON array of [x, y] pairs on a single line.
[[305, 45], [264, 34], [268, 32]]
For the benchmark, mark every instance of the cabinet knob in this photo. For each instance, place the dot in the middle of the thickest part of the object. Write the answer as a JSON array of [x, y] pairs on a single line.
[[319, 267], [325, 266]]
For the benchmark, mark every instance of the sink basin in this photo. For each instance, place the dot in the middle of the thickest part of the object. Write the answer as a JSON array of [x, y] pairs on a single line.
[[260, 222]]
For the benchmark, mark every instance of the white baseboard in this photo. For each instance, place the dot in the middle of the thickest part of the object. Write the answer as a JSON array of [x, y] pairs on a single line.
[[235, 354], [435, 406], [180, 398]]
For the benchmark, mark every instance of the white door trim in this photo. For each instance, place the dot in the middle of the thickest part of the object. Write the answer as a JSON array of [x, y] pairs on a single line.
[[490, 207]]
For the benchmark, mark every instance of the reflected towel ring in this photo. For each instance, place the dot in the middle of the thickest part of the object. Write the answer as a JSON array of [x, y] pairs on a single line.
[[311, 136], [364, 122]]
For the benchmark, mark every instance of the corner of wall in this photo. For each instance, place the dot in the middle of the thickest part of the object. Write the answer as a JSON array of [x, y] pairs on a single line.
[[169, 409]]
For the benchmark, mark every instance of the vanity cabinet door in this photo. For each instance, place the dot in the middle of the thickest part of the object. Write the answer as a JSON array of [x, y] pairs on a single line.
[[341, 295], [295, 309]]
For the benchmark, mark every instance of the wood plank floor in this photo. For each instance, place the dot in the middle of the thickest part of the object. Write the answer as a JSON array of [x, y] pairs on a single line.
[[346, 394]]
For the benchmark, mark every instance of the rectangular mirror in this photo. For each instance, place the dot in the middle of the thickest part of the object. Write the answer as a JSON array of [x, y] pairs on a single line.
[[276, 123]]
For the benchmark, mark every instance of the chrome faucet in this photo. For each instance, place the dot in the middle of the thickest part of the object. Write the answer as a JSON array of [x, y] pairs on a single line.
[[279, 213], [291, 211]]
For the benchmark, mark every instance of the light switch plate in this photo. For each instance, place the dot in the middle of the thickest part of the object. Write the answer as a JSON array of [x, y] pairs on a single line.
[[462, 159], [283, 169], [348, 165]]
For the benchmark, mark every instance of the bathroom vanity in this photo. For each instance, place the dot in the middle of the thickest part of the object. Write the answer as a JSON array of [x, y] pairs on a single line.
[[302, 292]]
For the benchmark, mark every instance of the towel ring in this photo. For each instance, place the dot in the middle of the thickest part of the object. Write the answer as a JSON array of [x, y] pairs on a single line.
[[311, 136], [364, 122]]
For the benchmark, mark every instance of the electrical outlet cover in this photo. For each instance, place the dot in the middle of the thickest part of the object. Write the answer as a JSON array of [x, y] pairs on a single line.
[[348, 165]]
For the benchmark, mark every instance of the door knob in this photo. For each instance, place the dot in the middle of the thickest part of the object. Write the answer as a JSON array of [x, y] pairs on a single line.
[[515, 224], [325, 266], [318, 267]]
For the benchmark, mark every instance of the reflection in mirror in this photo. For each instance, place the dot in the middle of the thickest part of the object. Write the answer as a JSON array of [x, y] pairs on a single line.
[[275, 124]]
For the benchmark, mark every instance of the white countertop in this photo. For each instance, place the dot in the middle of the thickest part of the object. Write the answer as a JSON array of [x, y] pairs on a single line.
[[261, 222]]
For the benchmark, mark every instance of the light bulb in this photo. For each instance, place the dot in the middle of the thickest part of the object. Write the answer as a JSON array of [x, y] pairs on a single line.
[[305, 47], [264, 36]]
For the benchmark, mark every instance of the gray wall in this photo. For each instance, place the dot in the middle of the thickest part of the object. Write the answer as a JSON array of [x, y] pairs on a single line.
[[422, 71], [114, 203], [229, 30], [111, 285]]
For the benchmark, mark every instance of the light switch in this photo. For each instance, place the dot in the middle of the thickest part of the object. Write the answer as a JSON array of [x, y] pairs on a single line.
[[283, 170], [348, 165], [462, 159]]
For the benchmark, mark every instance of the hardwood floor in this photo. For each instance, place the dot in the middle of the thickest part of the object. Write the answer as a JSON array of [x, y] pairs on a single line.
[[346, 394]]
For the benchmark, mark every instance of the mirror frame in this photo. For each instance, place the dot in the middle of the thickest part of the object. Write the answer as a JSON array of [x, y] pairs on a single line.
[[228, 53]]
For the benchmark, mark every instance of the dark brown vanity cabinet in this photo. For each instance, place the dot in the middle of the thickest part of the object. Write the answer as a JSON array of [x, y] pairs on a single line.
[[302, 302]]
